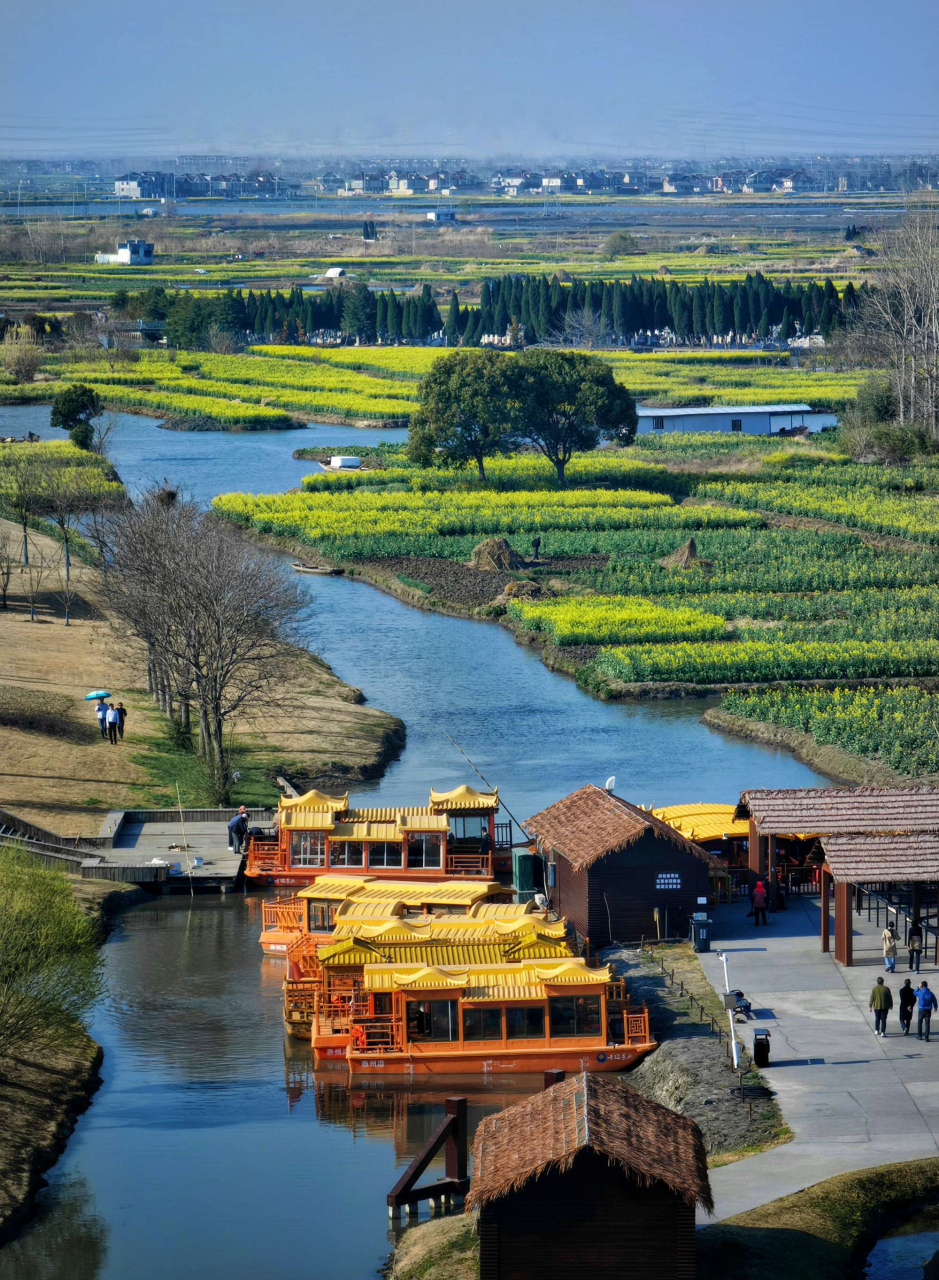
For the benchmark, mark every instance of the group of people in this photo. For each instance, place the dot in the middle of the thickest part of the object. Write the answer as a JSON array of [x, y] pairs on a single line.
[[111, 720], [914, 943], [919, 998]]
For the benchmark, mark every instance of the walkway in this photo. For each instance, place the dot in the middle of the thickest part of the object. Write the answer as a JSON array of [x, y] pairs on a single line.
[[852, 1100]]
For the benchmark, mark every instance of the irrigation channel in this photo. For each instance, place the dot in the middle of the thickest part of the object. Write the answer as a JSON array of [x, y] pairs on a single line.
[[210, 1148]]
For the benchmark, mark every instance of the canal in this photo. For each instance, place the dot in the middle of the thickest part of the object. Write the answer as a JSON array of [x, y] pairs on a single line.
[[210, 1149]]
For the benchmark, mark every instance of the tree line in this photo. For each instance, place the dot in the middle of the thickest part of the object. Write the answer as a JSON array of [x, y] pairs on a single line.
[[527, 309]]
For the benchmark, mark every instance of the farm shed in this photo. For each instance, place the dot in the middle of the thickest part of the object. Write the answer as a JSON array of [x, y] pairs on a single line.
[[588, 1178], [878, 841], [619, 873], [753, 420]]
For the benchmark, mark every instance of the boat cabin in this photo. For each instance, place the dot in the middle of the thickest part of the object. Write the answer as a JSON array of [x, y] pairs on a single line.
[[366, 899], [455, 834], [334, 973], [588, 1178], [506, 1017]]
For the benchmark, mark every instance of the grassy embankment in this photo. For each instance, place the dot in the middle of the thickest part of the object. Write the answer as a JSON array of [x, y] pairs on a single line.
[[62, 776], [42, 1092], [810, 572]]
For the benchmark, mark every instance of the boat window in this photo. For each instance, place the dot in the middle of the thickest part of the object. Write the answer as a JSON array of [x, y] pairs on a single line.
[[347, 853], [383, 853], [575, 1015], [433, 1020], [319, 916], [423, 850], [307, 849], [524, 1023], [482, 1023], [470, 828], [382, 1004]]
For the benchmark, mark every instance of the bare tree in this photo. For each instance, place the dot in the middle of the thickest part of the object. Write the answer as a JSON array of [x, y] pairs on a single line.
[[32, 576], [9, 556], [214, 615], [20, 353], [583, 330], [900, 317]]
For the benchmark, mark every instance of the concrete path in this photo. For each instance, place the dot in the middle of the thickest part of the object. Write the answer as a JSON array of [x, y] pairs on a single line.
[[851, 1099]]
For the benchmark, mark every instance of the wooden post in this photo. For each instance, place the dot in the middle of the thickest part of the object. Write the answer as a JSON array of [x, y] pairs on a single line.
[[553, 1077], [753, 855], [844, 940], [825, 880], [455, 1151]]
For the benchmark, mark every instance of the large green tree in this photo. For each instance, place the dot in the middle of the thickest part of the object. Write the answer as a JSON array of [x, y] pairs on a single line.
[[74, 409], [569, 402], [467, 406]]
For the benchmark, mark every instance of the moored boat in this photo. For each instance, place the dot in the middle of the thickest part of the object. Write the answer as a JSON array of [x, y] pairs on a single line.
[[454, 835]]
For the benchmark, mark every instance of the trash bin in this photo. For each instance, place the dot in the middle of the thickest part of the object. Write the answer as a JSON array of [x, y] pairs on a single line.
[[701, 934], [761, 1047]]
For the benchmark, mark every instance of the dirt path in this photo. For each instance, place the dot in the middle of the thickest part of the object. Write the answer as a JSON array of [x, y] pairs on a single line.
[[68, 780]]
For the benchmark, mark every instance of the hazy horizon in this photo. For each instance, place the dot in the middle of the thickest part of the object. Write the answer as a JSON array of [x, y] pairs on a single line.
[[524, 80]]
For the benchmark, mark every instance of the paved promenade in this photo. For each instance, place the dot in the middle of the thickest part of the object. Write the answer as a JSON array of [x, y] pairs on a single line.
[[851, 1099]]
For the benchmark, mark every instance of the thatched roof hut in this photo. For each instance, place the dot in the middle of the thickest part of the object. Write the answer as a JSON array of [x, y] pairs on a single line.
[[588, 1176]]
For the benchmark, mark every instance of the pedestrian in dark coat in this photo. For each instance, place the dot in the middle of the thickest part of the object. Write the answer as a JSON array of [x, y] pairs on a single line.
[[122, 712], [907, 1005], [237, 830], [914, 942], [759, 904]]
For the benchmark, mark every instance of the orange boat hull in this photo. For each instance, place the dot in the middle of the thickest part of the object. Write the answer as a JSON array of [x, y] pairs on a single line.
[[274, 942], [499, 1062]]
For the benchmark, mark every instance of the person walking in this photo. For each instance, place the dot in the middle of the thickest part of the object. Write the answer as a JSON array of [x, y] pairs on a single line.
[[926, 1003], [914, 942], [237, 830], [759, 904], [101, 711], [113, 720], [881, 1002], [122, 712], [535, 546], [890, 938], [907, 1005]]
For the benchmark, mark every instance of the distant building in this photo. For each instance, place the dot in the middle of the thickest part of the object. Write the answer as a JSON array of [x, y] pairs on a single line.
[[764, 419], [441, 215], [131, 253], [142, 186], [366, 182]]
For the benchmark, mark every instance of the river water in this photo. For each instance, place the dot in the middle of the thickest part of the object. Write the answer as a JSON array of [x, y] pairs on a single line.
[[210, 1149]]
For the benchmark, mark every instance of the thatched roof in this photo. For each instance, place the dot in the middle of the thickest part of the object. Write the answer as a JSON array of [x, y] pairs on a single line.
[[599, 1113], [842, 810], [590, 823], [863, 859]]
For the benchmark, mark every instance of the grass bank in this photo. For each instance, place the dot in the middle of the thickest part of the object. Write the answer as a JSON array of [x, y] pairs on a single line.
[[64, 777], [44, 1091]]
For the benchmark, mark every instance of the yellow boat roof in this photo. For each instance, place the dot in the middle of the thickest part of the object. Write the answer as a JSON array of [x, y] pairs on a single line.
[[504, 910], [704, 821], [446, 951], [533, 980], [447, 927], [464, 797], [455, 893]]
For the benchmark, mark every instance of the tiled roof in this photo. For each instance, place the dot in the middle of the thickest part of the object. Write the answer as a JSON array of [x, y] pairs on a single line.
[[600, 1113], [830, 810], [590, 823], [862, 859]]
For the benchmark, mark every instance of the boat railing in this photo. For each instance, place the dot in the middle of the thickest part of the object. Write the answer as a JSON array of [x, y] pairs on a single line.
[[616, 992], [303, 946], [263, 855], [283, 913], [300, 999], [381, 1033], [468, 864], [503, 835]]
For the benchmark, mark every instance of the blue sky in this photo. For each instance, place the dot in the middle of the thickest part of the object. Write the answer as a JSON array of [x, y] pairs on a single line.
[[476, 77]]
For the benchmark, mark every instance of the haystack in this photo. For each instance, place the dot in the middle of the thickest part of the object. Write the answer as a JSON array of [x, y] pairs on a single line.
[[496, 555], [686, 557]]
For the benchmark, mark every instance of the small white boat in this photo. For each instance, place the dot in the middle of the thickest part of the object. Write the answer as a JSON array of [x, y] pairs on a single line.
[[326, 569]]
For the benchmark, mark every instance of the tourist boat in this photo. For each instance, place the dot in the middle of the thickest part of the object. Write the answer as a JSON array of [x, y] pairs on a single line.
[[312, 913], [324, 982], [501, 1018], [455, 835]]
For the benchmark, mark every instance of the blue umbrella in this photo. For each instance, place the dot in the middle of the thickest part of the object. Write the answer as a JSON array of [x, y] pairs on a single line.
[[98, 693]]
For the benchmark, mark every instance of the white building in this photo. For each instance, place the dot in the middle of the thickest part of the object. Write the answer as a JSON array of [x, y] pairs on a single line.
[[763, 419], [132, 253]]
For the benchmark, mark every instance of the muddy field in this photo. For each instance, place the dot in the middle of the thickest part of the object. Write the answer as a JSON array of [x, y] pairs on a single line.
[[460, 585]]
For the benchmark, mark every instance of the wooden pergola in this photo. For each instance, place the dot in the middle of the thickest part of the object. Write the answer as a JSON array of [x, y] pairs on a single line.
[[869, 835]]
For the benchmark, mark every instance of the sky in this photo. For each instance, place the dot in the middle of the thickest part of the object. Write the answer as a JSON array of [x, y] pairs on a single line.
[[484, 78]]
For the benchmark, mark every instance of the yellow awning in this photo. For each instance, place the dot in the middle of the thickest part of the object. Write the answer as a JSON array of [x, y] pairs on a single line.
[[443, 893], [340, 887], [704, 821], [464, 797], [429, 979], [571, 973]]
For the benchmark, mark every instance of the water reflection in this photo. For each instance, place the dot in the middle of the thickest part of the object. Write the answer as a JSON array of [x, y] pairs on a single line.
[[66, 1240]]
